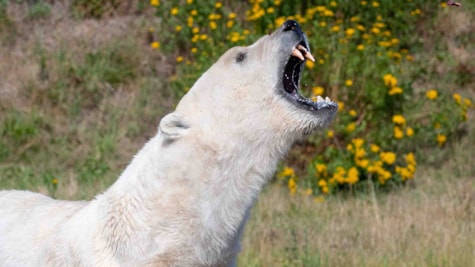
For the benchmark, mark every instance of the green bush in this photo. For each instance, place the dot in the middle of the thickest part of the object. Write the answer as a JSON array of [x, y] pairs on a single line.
[[363, 60]]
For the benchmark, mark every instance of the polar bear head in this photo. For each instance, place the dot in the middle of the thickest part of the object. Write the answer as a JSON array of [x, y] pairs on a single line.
[[252, 92]]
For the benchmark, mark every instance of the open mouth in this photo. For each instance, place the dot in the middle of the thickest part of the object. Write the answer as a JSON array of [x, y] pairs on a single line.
[[291, 78]]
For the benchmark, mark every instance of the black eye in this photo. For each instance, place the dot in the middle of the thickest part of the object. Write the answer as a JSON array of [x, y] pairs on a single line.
[[240, 57]]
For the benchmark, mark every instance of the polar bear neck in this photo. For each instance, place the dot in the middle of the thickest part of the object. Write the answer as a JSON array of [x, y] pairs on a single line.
[[188, 196]]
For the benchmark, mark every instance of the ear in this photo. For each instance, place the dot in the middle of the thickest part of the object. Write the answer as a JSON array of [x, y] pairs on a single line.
[[173, 126]]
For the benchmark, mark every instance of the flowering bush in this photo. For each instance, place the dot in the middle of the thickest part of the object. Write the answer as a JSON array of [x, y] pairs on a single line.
[[361, 59]]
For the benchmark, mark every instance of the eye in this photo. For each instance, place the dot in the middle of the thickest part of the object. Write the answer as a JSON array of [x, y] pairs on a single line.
[[240, 57]]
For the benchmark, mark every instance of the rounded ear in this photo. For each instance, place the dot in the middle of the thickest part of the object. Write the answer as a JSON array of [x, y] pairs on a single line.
[[173, 126]]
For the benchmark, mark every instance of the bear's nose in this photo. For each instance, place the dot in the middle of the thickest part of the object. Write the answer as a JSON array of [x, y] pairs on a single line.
[[291, 25]]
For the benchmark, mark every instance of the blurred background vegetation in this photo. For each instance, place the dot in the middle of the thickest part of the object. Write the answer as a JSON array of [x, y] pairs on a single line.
[[83, 85]]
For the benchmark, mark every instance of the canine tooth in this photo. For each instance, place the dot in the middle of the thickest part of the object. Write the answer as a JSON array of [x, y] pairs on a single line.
[[306, 53], [297, 53], [319, 99], [310, 57]]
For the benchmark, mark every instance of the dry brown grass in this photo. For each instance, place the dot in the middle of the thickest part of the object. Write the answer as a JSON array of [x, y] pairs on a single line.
[[431, 224]]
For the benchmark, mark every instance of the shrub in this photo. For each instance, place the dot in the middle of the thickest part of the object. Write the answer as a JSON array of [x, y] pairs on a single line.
[[363, 60]]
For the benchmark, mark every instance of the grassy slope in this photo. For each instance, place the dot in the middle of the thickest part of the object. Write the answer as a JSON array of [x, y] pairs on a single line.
[[47, 133]]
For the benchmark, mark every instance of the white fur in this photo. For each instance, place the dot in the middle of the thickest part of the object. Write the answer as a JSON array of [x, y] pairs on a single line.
[[185, 197]]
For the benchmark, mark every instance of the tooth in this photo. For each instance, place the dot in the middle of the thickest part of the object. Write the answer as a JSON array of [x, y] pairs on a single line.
[[306, 53], [310, 57], [327, 99], [297, 53], [319, 99]]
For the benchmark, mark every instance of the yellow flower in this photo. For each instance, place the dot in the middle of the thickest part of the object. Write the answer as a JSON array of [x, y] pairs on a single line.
[[229, 24], [174, 11], [333, 4], [395, 91], [270, 10], [389, 80], [321, 168], [349, 147], [194, 50], [189, 21], [384, 43], [193, 12], [467, 102], [363, 163], [318, 90], [232, 15], [321, 61], [360, 153], [349, 83], [431, 94], [218, 5], [54, 181], [189, 2], [360, 27], [287, 171], [410, 159], [374, 148], [155, 2], [360, 47], [399, 119], [328, 13], [352, 113], [178, 28], [322, 183], [292, 186], [322, 24], [457, 98], [179, 59], [309, 64], [279, 21], [388, 157], [349, 32], [213, 25], [353, 174], [358, 142], [330, 134], [436, 125], [398, 133], [409, 131], [375, 4], [441, 139], [375, 30], [363, 3], [155, 45], [335, 28], [203, 37], [325, 190], [341, 105], [234, 36], [350, 127]]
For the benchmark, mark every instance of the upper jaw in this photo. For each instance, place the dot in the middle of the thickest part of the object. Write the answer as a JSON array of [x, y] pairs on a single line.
[[296, 52]]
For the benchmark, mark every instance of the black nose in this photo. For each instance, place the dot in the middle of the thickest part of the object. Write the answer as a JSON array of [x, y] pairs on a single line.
[[291, 25]]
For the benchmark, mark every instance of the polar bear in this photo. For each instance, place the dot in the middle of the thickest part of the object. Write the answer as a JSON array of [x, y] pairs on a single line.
[[186, 195]]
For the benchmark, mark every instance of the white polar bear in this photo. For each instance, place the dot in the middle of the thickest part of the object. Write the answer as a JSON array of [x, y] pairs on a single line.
[[185, 197]]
